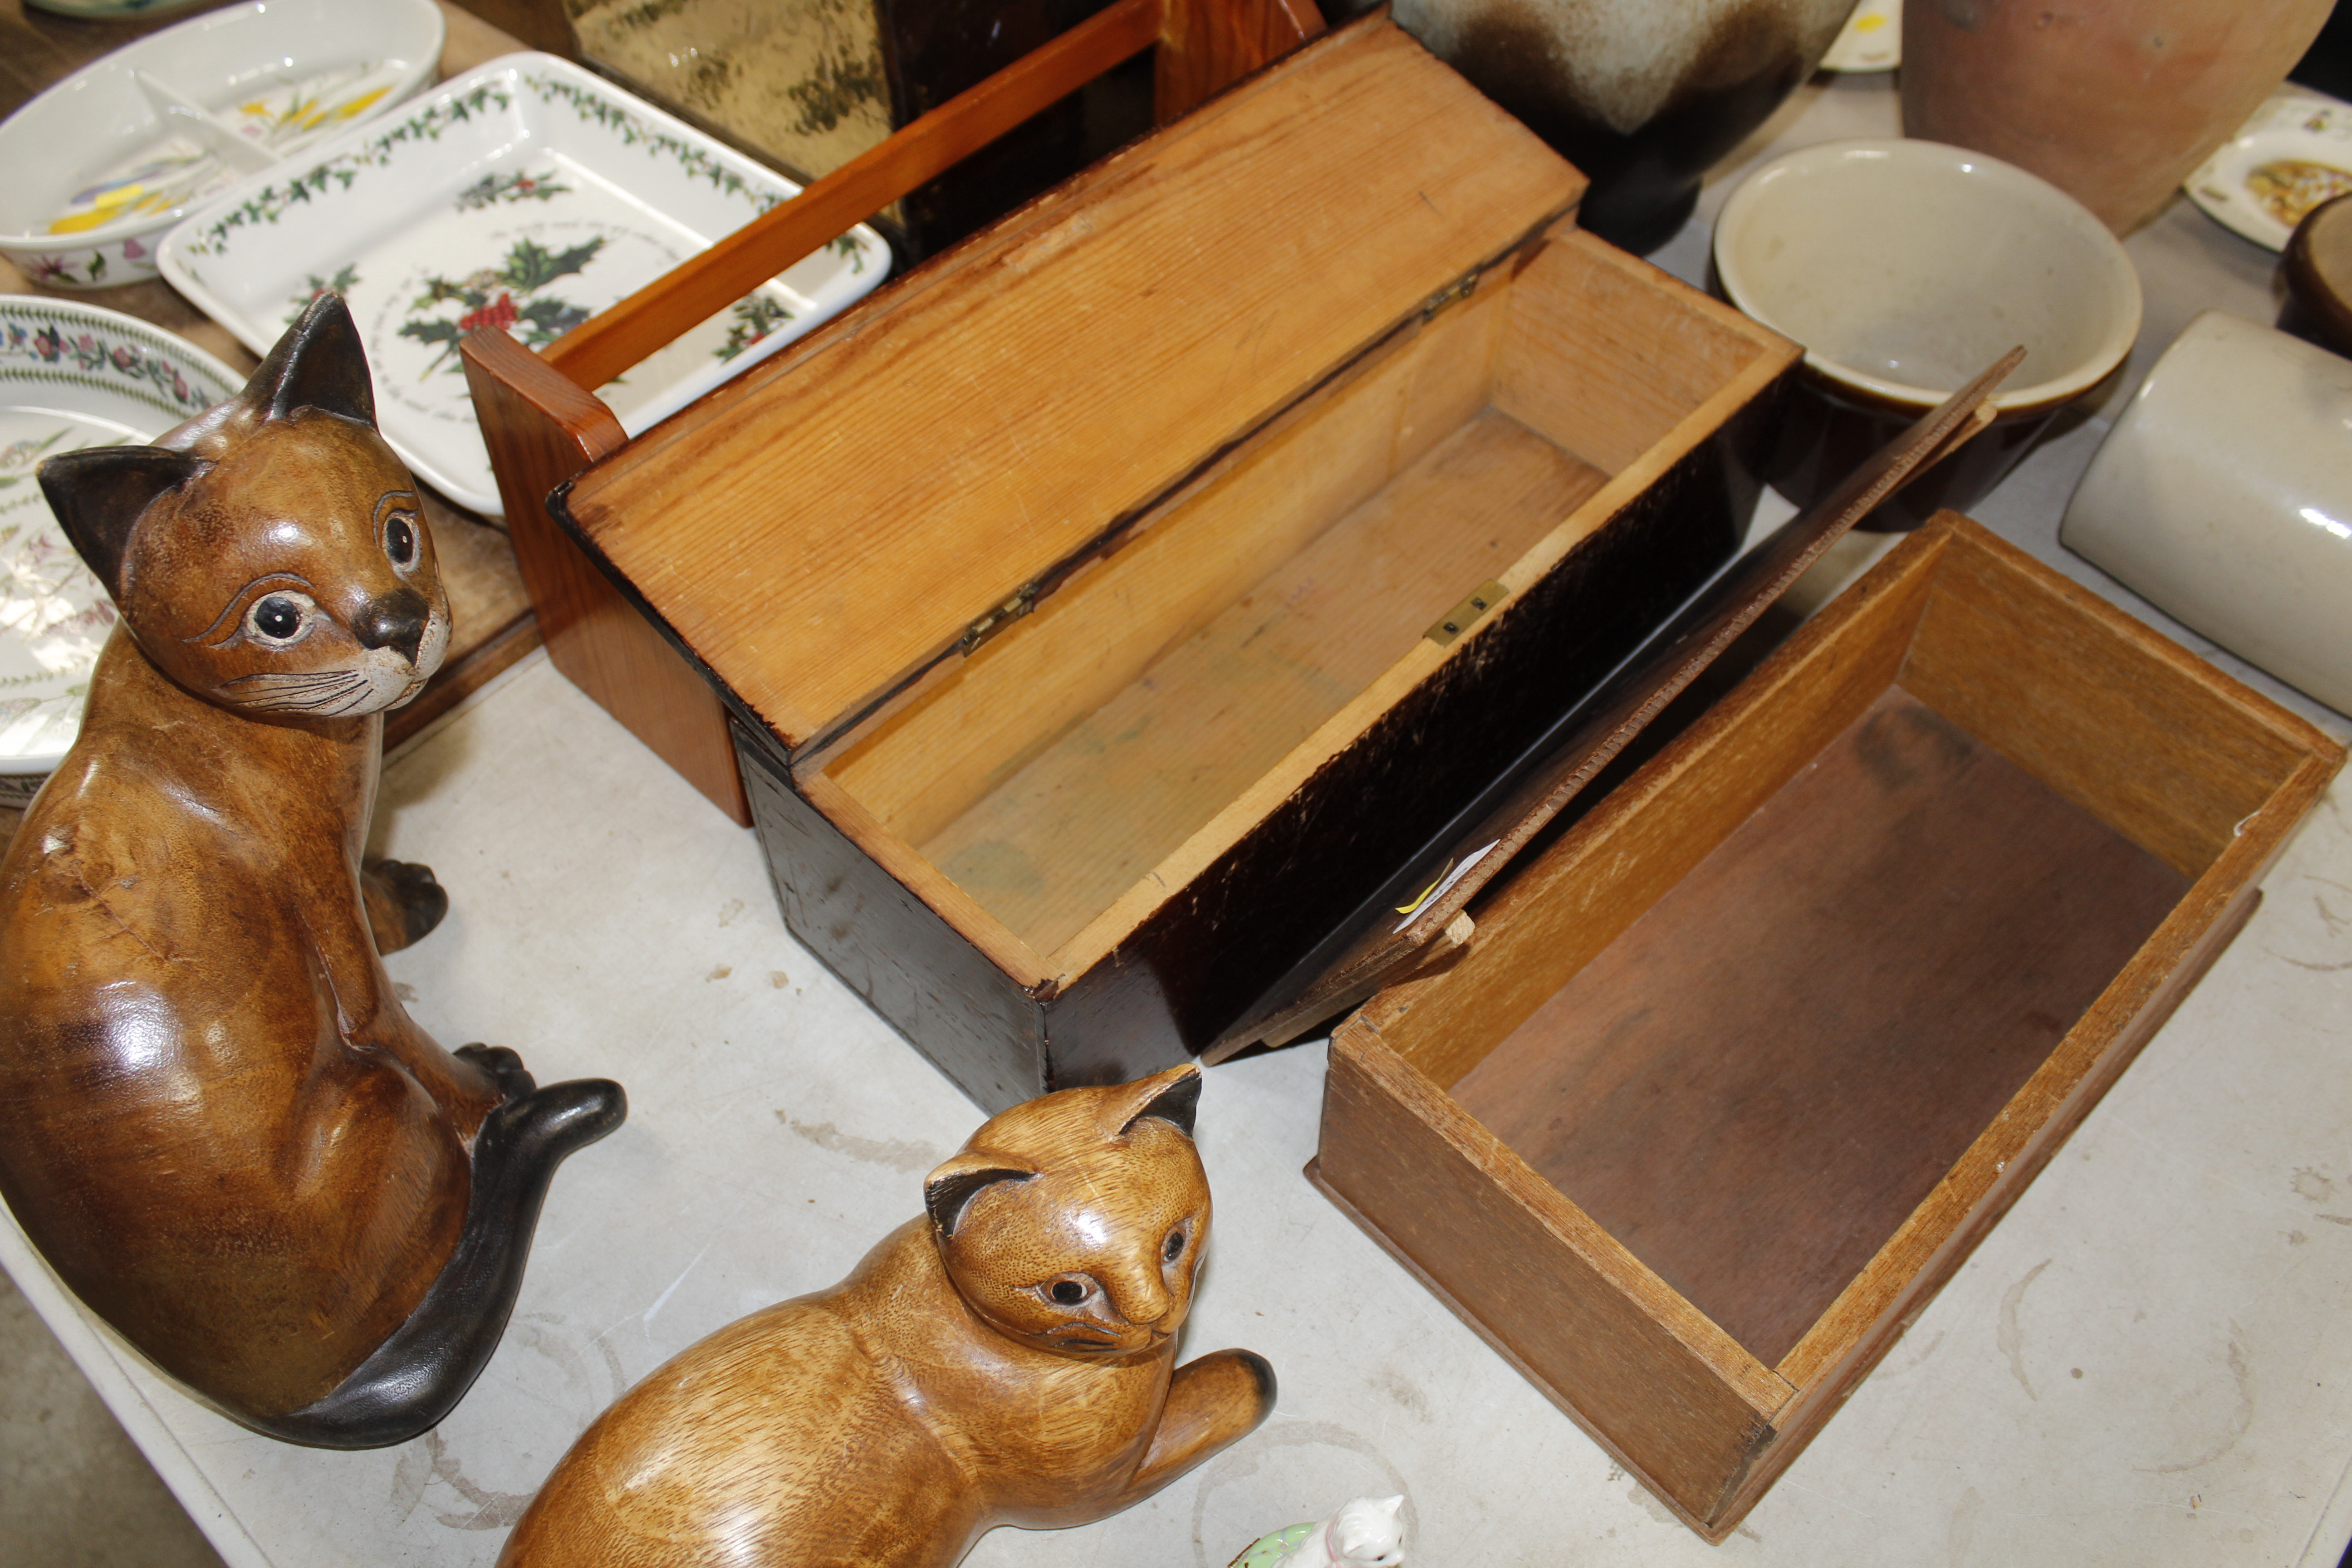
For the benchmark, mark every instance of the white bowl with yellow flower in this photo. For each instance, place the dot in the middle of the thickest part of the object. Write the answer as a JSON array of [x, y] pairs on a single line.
[[94, 170]]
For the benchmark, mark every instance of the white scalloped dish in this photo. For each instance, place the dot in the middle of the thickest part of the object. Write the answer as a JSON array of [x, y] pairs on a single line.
[[2293, 154], [72, 375], [527, 193]]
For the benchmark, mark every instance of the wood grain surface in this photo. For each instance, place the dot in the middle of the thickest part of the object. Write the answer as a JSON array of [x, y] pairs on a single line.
[[1048, 848], [542, 434], [939, 750], [1872, 964], [1008, 1357], [814, 586], [1842, 1089], [543, 430], [262, 1171]]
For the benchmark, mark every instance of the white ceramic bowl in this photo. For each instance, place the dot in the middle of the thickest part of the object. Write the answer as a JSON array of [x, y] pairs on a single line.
[[100, 155], [2224, 496], [72, 375], [1905, 268]]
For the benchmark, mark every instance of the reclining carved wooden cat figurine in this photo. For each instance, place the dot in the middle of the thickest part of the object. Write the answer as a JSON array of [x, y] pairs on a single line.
[[217, 1123], [1008, 1358]]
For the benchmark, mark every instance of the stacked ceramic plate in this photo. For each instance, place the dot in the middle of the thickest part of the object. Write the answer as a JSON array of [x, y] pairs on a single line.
[[72, 375]]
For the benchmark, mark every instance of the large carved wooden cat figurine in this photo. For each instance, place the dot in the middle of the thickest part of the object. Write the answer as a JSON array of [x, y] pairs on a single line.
[[1009, 1358], [217, 1123]]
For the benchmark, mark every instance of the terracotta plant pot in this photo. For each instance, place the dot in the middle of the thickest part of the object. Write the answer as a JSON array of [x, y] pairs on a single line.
[[1644, 96], [2113, 101]]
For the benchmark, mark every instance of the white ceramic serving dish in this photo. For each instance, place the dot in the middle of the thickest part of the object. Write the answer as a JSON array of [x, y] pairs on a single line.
[[2224, 496], [1905, 267], [72, 375], [528, 192], [1871, 40], [96, 168], [2294, 153]]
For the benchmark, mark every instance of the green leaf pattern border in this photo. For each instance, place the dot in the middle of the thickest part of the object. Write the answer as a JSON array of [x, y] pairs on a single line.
[[39, 343], [269, 203]]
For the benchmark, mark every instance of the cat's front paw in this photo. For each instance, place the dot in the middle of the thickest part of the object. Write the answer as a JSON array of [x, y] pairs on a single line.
[[1211, 1402], [504, 1069], [404, 902]]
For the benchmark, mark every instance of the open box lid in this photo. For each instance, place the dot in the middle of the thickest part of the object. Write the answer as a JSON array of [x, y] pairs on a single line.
[[821, 531]]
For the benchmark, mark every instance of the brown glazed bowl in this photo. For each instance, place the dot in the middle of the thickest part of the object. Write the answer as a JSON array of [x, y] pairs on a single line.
[[1644, 96], [1905, 268], [2317, 269]]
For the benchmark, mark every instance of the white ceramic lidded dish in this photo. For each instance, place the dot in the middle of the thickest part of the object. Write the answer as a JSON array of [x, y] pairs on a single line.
[[72, 375], [526, 192], [97, 166], [2223, 497], [1905, 268]]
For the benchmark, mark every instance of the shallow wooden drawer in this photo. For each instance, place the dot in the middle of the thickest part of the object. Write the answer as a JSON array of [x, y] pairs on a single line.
[[1734, 1074], [1116, 610]]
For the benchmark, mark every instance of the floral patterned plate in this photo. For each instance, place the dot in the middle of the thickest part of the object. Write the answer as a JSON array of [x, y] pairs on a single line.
[[526, 194], [96, 168], [72, 375], [2294, 153]]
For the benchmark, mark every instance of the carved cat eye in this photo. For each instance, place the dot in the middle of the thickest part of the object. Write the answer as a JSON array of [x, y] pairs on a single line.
[[1068, 1292], [279, 618], [1175, 1248], [400, 540]]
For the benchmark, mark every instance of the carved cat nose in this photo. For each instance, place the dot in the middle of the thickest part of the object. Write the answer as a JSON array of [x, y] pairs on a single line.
[[397, 620], [1146, 1303]]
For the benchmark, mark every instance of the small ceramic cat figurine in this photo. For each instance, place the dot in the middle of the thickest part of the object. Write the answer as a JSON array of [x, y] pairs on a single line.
[[217, 1123], [1009, 1358], [1367, 1533]]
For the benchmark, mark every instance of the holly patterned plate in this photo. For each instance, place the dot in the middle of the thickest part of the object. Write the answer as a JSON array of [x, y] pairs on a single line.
[[528, 194], [72, 375]]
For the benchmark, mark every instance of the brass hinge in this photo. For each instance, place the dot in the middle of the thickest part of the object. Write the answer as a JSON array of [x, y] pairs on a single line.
[[1453, 294], [997, 619], [1464, 615]]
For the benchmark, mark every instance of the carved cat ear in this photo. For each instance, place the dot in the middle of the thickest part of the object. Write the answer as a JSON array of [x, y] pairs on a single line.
[[320, 363], [1174, 1097], [97, 494], [948, 1190]]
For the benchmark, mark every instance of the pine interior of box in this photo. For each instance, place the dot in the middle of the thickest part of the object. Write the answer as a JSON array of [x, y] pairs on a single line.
[[1135, 723], [1785, 1000]]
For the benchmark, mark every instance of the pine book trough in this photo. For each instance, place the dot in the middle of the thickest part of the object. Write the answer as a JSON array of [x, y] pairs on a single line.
[[1734, 1074], [1113, 612]]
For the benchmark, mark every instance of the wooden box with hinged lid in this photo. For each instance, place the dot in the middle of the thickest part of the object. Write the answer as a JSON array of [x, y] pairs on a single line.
[[1117, 609], [1734, 1074]]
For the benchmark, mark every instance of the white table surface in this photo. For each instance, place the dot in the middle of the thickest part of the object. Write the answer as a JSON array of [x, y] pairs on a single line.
[[2150, 1361]]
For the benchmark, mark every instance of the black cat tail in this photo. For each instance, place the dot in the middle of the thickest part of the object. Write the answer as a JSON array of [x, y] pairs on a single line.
[[418, 1375]]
